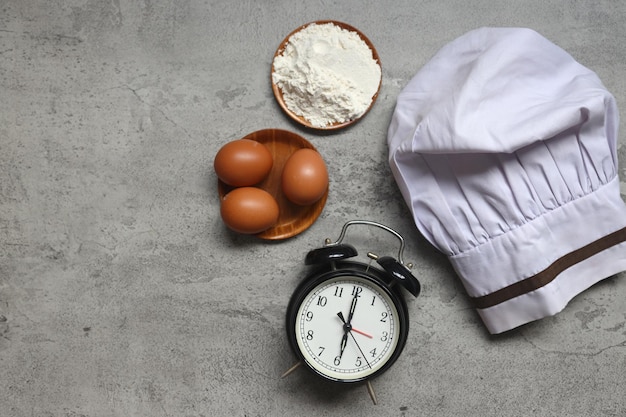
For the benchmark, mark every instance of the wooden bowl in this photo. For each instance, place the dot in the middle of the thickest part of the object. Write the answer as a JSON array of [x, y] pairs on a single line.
[[293, 219], [278, 94]]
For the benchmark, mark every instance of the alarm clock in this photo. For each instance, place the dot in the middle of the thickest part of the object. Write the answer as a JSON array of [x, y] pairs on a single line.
[[348, 321]]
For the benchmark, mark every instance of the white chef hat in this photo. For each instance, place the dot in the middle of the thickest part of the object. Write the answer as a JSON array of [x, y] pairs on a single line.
[[504, 148]]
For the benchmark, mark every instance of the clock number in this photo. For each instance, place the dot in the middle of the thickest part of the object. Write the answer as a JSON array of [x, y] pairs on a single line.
[[338, 291], [337, 360], [373, 299], [358, 361], [384, 318], [309, 335], [309, 316], [356, 291], [373, 352], [321, 301], [384, 337], [321, 348]]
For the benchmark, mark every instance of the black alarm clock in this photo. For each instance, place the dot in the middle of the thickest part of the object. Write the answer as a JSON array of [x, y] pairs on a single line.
[[347, 321]]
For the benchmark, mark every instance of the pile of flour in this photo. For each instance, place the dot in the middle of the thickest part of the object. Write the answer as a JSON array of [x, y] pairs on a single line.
[[326, 74]]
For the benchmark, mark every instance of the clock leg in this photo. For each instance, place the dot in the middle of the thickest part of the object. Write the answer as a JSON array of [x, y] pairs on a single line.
[[290, 370], [370, 391]]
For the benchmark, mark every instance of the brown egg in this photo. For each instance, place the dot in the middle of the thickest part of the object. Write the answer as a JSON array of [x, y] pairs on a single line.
[[249, 210], [304, 178], [243, 162]]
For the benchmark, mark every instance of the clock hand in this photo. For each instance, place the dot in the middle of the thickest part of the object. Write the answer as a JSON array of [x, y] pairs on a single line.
[[360, 350], [351, 328], [352, 307], [347, 327], [361, 332], [344, 342], [346, 330]]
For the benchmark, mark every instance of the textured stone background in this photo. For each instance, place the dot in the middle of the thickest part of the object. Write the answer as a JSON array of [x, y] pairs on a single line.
[[121, 292]]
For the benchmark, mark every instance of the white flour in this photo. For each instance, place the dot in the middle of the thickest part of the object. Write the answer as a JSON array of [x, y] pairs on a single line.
[[327, 74]]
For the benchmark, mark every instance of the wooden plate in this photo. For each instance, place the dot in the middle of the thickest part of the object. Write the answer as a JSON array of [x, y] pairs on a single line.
[[278, 94], [293, 219]]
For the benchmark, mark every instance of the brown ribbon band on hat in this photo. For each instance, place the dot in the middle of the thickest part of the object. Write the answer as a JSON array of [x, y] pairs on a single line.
[[550, 273]]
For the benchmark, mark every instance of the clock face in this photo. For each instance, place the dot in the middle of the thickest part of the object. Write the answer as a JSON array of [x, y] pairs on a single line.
[[348, 327]]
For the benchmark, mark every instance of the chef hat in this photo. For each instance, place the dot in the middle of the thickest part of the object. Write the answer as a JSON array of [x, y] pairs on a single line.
[[504, 148]]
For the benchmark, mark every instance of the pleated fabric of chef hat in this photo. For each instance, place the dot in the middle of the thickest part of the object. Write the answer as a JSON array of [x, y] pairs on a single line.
[[504, 148]]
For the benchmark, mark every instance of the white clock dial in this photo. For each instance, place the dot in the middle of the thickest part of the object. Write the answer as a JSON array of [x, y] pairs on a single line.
[[347, 328]]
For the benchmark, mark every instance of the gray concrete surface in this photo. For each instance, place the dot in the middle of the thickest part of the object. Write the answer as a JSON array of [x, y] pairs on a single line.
[[121, 292]]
